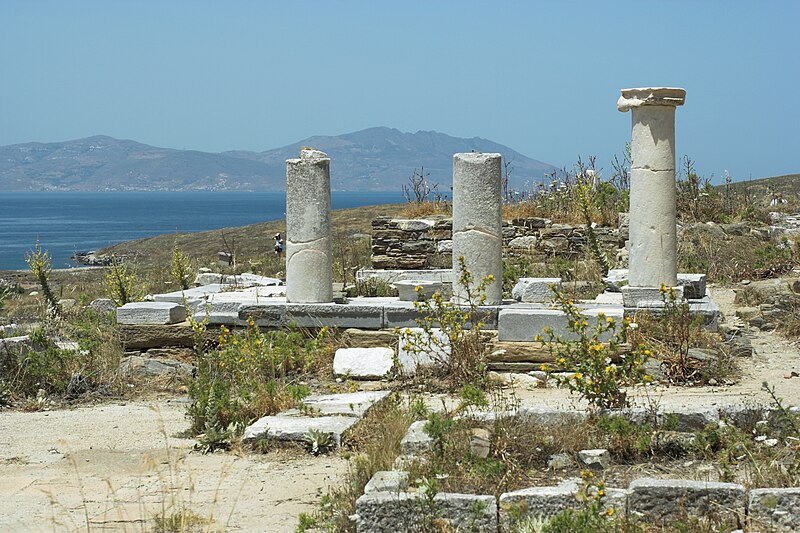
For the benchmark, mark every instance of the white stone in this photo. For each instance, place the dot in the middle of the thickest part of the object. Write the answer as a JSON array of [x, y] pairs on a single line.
[[416, 348], [416, 440], [477, 222], [295, 428], [650, 96], [407, 289], [151, 313], [536, 290], [347, 404], [527, 242], [387, 481], [598, 459], [363, 363]]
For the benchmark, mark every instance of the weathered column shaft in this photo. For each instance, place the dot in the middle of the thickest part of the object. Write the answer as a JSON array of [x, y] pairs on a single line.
[[477, 222], [653, 236], [308, 228]]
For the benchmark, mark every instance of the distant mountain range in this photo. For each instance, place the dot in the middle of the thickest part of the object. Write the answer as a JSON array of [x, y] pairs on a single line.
[[369, 160]]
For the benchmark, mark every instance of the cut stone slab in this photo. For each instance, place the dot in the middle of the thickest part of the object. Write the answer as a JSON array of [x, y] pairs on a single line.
[[149, 367], [647, 297], [525, 323], [387, 481], [416, 440], [535, 290], [416, 348], [661, 500], [335, 315], [242, 280], [382, 512], [407, 289], [151, 313], [363, 363], [294, 428], [443, 275], [777, 509], [350, 404]]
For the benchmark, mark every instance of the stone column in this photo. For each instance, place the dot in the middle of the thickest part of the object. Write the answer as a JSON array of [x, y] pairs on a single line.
[[308, 228], [477, 223], [653, 237]]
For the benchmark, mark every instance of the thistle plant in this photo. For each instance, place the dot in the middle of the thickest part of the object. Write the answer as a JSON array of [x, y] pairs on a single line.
[[121, 283], [41, 266], [181, 267]]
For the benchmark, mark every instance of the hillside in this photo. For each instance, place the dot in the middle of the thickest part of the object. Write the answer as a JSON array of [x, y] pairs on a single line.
[[369, 160], [788, 185]]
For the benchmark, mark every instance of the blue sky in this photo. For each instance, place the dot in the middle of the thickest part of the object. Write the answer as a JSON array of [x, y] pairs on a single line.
[[540, 77]]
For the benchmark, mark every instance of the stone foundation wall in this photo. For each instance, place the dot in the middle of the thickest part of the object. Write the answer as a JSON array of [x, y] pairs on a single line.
[[404, 244]]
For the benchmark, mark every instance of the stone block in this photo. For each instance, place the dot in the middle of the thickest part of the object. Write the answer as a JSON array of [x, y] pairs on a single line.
[[363, 363], [416, 348], [407, 289], [382, 512], [666, 500], [416, 441], [598, 459], [387, 481], [552, 416], [151, 313], [444, 275], [519, 323], [150, 367], [294, 428], [774, 509], [335, 315], [545, 502], [647, 297], [264, 314], [526, 242], [103, 305], [535, 290], [348, 404], [694, 285]]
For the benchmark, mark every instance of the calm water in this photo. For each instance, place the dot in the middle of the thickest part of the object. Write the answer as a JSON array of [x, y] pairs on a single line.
[[68, 222]]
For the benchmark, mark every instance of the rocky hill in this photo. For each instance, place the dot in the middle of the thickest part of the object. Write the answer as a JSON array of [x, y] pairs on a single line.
[[372, 159]]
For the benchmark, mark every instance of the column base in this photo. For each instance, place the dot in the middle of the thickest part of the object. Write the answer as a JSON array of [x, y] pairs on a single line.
[[647, 297]]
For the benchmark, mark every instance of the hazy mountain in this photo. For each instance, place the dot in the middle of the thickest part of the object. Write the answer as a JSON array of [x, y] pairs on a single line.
[[371, 159]]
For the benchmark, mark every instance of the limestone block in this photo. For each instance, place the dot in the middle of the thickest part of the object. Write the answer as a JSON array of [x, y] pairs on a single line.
[[139, 337], [387, 481], [477, 192], [525, 323], [312, 315], [653, 234], [598, 459], [416, 348], [363, 363], [536, 290], [544, 502], [103, 305], [694, 285], [483, 256], [416, 441], [348, 404], [647, 297], [774, 509], [663, 500], [552, 416], [443, 275], [294, 428], [270, 314], [407, 289], [527, 242], [151, 313], [414, 224], [152, 367], [445, 246], [382, 512]]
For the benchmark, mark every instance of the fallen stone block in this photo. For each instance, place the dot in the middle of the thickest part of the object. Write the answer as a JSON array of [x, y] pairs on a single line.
[[349, 404], [151, 313], [387, 481], [667, 500], [363, 363], [416, 441], [774, 509], [535, 290], [295, 428], [149, 367], [598, 459], [382, 512]]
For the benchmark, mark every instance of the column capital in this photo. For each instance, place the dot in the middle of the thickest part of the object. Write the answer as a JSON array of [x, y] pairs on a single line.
[[651, 96]]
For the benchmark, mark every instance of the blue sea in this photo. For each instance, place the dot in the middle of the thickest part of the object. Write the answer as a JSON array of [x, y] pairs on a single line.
[[66, 222]]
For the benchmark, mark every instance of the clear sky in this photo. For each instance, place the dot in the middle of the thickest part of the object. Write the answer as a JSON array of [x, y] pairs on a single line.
[[540, 77]]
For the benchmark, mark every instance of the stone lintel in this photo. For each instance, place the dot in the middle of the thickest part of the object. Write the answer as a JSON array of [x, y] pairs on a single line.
[[651, 96]]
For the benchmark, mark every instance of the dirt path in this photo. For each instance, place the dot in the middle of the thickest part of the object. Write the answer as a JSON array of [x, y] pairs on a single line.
[[114, 466]]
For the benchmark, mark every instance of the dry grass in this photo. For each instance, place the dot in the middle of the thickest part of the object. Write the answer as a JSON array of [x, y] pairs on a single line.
[[426, 209]]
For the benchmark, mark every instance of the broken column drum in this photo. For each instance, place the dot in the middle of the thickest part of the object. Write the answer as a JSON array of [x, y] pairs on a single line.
[[653, 235], [308, 228], [477, 222]]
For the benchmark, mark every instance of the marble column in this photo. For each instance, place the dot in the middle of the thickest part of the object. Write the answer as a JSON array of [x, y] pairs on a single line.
[[477, 223], [308, 228], [653, 236]]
